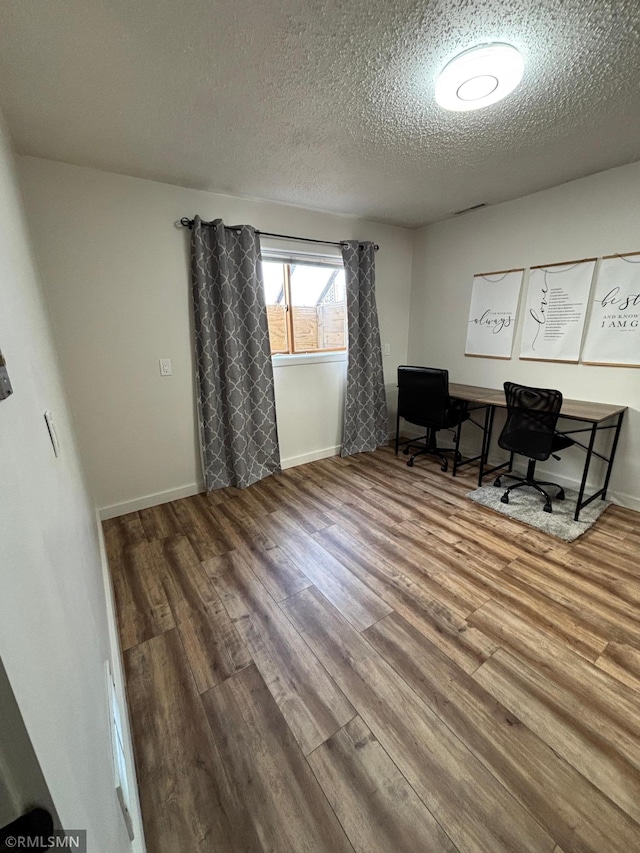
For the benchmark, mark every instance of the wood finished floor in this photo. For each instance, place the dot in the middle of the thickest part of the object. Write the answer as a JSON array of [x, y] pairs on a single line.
[[352, 656]]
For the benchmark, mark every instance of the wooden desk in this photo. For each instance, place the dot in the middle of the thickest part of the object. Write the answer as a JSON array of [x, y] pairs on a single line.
[[577, 410], [471, 393], [477, 397], [597, 417]]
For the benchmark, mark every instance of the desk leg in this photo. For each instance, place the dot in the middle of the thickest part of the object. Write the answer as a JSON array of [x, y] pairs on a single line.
[[456, 450], [486, 441], [585, 473], [614, 446]]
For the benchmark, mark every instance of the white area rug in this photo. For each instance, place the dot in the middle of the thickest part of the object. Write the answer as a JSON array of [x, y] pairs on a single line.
[[526, 505]]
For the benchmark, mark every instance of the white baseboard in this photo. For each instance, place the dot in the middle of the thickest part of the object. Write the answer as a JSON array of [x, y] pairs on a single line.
[[619, 498], [292, 461], [196, 488], [150, 500], [555, 475], [624, 500], [117, 671]]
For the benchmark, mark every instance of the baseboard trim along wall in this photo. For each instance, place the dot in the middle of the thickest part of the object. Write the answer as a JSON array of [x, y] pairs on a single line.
[[117, 673], [616, 497], [619, 498], [292, 461], [150, 500], [196, 488]]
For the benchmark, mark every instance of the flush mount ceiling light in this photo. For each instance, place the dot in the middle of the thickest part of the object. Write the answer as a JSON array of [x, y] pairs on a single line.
[[479, 77]]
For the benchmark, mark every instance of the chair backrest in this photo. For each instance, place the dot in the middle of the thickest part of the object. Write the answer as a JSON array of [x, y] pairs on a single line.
[[423, 395], [532, 415]]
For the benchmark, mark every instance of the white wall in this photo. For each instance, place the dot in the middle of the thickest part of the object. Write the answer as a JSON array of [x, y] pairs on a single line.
[[116, 277], [22, 784], [53, 626], [591, 217], [309, 407]]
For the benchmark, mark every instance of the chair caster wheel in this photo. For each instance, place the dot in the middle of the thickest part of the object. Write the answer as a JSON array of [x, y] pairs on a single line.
[[504, 499], [410, 463], [548, 508], [497, 481], [444, 467], [406, 451], [560, 495]]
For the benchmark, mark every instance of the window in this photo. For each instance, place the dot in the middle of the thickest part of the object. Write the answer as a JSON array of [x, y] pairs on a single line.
[[306, 305]]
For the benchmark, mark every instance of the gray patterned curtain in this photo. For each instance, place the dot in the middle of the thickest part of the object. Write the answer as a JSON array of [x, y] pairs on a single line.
[[238, 432], [365, 415]]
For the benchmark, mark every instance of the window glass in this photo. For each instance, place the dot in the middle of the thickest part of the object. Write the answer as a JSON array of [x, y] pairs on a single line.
[[274, 291], [306, 307], [318, 307], [273, 282]]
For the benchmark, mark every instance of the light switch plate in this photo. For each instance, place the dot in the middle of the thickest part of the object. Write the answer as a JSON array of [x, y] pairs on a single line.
[[387, 349], [165, 367]]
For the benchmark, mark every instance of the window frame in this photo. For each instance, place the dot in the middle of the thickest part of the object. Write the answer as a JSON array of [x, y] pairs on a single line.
[[286, 259]]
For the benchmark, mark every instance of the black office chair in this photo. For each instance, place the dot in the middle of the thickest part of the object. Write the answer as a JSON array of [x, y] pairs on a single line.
[[423, 399], [530, 430]]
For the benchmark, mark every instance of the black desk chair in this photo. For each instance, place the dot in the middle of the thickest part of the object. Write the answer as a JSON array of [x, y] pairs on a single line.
[[530, 430], [423, 399]]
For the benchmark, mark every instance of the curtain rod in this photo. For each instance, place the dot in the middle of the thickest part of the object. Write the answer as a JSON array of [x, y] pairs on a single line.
[[188, 223]]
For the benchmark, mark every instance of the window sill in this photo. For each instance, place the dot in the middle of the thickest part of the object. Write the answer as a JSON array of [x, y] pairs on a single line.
[[307, 358]]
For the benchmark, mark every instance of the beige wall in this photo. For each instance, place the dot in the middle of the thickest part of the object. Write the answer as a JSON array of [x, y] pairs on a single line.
[[586, 218], [116, 278], [54, 635], [117, 284]]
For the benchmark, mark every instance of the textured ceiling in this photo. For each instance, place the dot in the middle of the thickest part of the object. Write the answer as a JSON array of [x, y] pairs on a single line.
[[323, 104]]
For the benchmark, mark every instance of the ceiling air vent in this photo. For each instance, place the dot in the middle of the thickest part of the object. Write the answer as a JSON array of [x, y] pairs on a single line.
[[469, 209]]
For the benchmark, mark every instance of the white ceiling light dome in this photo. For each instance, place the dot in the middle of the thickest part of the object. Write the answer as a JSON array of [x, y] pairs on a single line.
[[479, 77]]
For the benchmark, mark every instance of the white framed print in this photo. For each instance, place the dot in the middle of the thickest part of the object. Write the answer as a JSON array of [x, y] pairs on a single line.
[[613, 331], [556, 310], [493, 313]]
